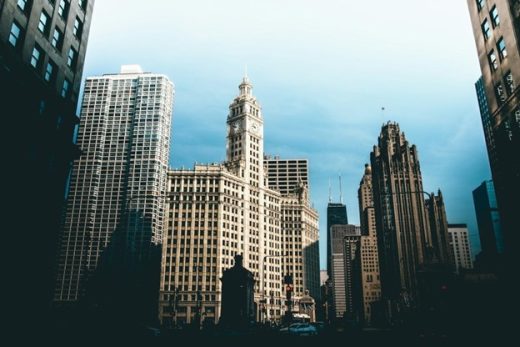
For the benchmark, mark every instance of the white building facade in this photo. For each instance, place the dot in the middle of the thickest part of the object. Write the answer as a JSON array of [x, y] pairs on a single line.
[[217, 211], [459, 242], [117, 186]]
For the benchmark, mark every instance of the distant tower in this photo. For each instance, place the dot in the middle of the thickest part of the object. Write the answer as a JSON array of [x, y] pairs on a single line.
[[346, 272], [439, 230], [404, 240], [371, 284], [336, 214], [459, 241]]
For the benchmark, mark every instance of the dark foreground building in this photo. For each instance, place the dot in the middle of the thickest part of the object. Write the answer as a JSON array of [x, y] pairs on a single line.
[[496, 27], [238, 306], [42, 50]]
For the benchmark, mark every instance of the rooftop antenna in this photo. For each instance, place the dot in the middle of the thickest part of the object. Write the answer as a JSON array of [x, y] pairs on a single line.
[[330, 193], [340, 191]]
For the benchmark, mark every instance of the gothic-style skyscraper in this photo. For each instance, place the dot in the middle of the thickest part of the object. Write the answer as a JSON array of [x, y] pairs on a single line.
[[403, 232]]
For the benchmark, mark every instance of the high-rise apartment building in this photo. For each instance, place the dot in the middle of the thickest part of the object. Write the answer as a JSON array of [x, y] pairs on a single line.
[[218, 211], [370, 282], [336, 214], [115, 210], [459, 241], [300, 225], [346, 271], [488, 222], [42, 50], [496, 27], [403, 233]]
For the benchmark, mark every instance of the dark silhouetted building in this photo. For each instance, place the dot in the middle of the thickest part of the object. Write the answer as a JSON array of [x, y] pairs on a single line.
[[336, 214], [489, 227], [42, 50], [346, 272], [442, 253], [496, 28], [238, 305]]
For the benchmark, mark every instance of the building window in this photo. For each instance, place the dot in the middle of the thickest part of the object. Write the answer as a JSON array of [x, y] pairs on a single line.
[[78, 28], [480, 4], [486, 29], [83, 4], [509, 82], [15, 36], [501, 47], [500, 93], [24, 5], [63, 8], [50, 71], [72, 57], [57, 39], [493, 62], [43, 25], [65, 89], [495, 19], [36, 56]]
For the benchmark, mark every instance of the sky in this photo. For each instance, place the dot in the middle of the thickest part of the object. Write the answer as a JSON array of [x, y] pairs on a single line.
[[322, 71]]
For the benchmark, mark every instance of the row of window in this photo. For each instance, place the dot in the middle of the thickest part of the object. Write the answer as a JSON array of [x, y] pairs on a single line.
[[37, 58]]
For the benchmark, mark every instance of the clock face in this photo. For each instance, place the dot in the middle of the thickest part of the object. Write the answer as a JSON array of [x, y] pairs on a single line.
[[255, 127], [236, 126]]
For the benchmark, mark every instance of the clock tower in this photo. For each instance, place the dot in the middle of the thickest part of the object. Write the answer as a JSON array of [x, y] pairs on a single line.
[[245, 145]]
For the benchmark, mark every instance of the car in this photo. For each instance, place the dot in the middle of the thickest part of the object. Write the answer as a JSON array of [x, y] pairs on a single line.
[[300, 329], [320, 326]]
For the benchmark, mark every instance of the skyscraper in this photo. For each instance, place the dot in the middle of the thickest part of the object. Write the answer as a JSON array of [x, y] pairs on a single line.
[[300, 226], [115, 207], [496, 27], [286, 175], [346, 271], [489, 227], [336, 214], [403, 233], [42, 50], [218, 211], [459, 241], [370, 282], [436, 211]]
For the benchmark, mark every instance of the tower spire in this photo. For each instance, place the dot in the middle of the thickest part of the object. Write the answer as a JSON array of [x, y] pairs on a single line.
[[330, 192], [340, 191]]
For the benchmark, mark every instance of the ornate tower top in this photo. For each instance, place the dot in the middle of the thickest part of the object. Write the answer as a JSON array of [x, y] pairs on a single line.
[[246, 87]]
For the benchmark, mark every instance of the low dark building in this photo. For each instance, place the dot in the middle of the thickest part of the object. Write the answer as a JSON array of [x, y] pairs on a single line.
[[238, 307]]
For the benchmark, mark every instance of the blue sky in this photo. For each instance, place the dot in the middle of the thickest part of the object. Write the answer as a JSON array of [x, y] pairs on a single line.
[[322, 70]]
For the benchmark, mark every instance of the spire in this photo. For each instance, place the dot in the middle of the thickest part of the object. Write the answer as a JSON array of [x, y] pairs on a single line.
[[330, 192], [340, 191], [245, 87]]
